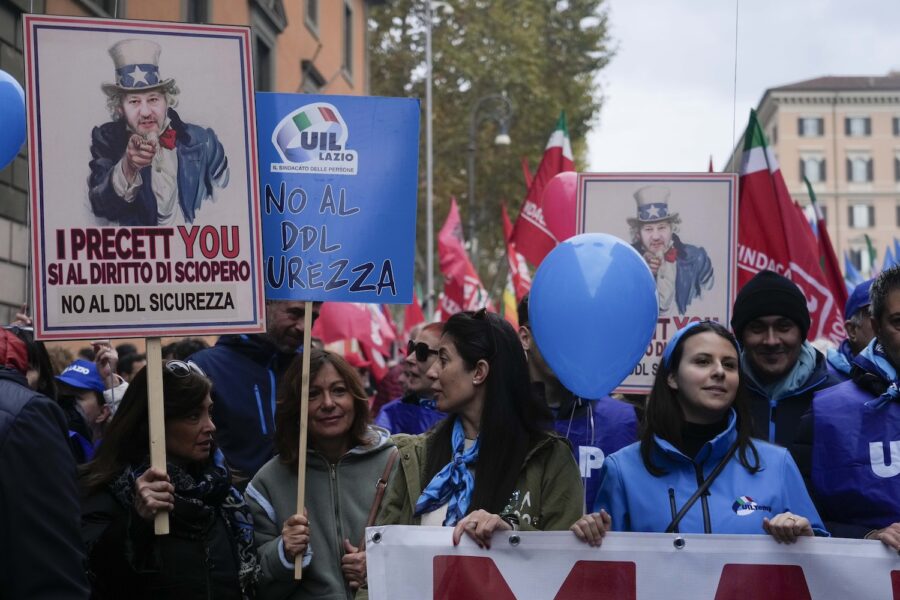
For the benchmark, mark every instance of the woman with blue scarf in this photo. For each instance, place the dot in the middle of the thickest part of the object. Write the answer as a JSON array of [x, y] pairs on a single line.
[[490, 465], [695, 468], [209, 551]]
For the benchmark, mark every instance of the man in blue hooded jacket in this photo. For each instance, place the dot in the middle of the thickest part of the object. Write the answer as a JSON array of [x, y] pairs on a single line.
[[848, 447], [245, 370], [858, 323]]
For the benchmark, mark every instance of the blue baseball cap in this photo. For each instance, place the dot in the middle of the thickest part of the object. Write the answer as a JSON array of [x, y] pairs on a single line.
[[82, 374], [858, 299]]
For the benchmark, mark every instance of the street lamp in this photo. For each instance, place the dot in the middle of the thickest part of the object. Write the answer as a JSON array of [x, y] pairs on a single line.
[[497, 108]]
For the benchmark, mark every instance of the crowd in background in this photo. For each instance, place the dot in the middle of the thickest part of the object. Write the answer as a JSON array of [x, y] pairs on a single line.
[[750, 429]]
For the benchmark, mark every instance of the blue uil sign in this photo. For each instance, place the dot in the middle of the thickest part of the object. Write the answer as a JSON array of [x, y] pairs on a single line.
[[338, 190]]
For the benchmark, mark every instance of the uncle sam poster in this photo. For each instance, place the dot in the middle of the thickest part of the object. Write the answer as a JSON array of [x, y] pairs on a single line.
[[144, 190], [684, 225]]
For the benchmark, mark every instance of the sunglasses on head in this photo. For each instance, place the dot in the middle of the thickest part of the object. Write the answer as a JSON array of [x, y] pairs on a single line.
[[421, 350], [180, 368]]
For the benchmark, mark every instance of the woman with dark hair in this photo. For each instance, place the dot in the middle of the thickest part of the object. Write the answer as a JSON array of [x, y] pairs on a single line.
[[346, 458], [695, 466], [209, 550], [491, 465]]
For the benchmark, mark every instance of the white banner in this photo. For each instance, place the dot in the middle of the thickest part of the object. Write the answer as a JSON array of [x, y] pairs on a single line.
[[422, 563]]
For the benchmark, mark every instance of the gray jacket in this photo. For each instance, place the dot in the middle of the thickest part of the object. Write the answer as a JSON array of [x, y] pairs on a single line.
[[338, 499]]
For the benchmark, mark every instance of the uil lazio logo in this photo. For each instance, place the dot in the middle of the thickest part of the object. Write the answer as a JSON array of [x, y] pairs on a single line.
[[313, 139], [745, 505]]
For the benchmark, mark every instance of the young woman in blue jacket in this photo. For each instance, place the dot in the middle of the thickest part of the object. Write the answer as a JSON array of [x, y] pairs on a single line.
[[698, 427]]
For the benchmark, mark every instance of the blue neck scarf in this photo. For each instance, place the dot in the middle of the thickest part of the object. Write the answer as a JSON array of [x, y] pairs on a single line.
[[877, 358], [454, 484]]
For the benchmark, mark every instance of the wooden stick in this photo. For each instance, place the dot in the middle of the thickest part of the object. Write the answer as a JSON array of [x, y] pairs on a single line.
[[304, 416], [157, 421]]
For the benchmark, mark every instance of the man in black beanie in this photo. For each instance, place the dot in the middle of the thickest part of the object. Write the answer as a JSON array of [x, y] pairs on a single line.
[[783, 370]]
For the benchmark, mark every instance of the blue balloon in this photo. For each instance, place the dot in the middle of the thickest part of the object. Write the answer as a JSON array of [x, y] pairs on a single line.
[[12, 118], [593, 310]]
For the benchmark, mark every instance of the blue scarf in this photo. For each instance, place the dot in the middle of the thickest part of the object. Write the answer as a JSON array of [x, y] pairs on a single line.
[[454, 484], [877, 360]]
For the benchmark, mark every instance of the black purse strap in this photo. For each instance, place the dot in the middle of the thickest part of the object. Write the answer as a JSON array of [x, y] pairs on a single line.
[[702, 489]]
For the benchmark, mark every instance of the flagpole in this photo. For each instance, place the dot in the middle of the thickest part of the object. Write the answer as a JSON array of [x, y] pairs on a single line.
[[429, 171]]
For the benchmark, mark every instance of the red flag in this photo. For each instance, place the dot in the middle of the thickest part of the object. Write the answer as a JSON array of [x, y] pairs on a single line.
[[526, 173], [827, 257], [412, 316], [530, 234], [518, 268], [774, 235], [462, 286], [364, 323]]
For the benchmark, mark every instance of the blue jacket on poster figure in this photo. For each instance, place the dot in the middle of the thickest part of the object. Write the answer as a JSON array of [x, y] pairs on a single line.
[[244, 370], [595, 429], [409, 414], [202, 165], [855, 438], [693, 268], [738, 500]]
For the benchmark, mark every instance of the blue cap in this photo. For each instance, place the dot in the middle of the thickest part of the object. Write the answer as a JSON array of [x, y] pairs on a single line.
[[82, 374], [858, 299], [674, 340]]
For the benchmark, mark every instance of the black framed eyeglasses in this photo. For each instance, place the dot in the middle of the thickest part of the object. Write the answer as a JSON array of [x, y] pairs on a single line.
[[181, 368], [421, 350]]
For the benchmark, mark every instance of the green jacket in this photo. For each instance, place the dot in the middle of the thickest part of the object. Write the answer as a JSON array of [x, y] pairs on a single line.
[[338, 499], [548, 495]]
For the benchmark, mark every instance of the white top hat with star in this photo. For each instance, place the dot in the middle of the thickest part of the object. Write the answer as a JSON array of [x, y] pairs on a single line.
[[652, 205], [137, 67]]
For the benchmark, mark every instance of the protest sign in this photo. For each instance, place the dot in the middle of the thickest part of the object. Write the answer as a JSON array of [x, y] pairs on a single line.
[[685, 227], [143, 172], [339, 180], [409, 562]]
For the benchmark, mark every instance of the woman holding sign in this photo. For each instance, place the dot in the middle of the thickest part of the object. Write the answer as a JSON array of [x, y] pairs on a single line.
[[489, 466], [695, 469], [346, 458], [209, 550]]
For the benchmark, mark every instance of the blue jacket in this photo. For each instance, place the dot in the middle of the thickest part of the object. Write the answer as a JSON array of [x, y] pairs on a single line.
[[595, 429], [408, 415], [244, 370], [738, 500], [840, 360], [202, 165], [849, 448]]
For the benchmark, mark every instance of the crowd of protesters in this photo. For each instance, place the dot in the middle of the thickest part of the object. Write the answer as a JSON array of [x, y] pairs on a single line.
[[480, 436]]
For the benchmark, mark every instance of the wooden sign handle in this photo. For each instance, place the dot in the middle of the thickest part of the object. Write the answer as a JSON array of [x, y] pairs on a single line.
[[157, 421], [304, 415]]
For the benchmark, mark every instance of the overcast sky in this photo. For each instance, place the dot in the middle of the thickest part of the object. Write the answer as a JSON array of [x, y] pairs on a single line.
[[669, 89]]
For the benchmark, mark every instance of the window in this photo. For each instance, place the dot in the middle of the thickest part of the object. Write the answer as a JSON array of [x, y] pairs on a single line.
[[774, 136], [267, 21], [312, 15], [898, 215], [811, 126], [897, 168], [860, 169], [348, 38], [856, 255], [824, 211], [812, 168], [896, 121], [262, 64], [857, 126], [861, 216], [196, 11]]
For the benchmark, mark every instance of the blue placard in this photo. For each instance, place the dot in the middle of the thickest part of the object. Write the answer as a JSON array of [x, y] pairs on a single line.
[[338, 178]]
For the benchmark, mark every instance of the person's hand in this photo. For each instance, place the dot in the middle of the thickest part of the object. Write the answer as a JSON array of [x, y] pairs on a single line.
[[295, 535], [591, 528], [139, 153], [787, 527], [153, 493], [106, 358], [353, 564], [480, 526], [22, 319], [889, 536], [653, 261]]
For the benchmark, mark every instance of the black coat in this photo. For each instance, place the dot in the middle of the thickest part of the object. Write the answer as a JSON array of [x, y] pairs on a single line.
[[42, 553]]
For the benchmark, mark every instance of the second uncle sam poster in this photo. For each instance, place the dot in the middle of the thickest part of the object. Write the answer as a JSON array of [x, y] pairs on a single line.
[[144, 180], [685, 227]]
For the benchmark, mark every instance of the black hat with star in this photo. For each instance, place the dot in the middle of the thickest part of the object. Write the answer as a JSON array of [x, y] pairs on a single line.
[[137, 67]]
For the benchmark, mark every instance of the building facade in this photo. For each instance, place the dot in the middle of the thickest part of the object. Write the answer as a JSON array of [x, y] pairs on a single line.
[[299, 46], [843, 135]]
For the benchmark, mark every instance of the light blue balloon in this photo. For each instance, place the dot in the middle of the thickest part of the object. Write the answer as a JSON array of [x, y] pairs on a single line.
[[593, 311], [12, 118]]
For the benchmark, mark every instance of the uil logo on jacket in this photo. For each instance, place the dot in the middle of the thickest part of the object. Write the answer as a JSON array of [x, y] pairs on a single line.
[[745, 505]]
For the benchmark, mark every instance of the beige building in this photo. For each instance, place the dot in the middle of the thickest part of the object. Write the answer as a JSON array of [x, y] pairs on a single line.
[[843, 134], [311, 46]]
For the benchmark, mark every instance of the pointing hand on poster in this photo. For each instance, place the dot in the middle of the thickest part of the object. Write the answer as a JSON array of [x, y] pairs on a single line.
[[138, 154], [593, 310], [12, 118]]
